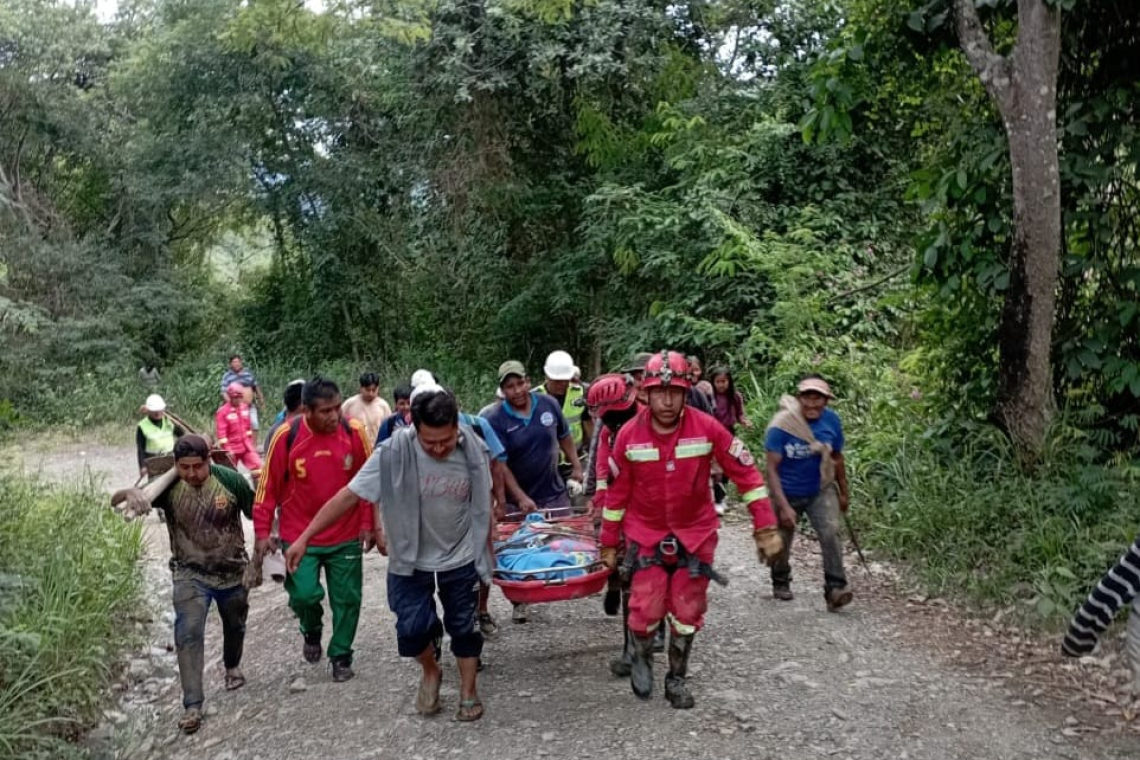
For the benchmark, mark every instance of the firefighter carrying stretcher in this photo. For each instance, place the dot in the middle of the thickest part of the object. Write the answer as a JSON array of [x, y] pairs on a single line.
[[659, 499]]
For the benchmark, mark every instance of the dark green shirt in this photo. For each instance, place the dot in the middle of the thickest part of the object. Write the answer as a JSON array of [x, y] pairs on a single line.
[[207, 541]]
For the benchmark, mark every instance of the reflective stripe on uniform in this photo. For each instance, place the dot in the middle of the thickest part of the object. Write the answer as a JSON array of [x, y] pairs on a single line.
[[601, 485], [690, 450], [643, 455], [613, 515], [682, 629], [754, 494]]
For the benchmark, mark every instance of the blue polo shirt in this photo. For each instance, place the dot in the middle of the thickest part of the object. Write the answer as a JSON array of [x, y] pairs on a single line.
[[531, 444], [799, 468], [483, 428]]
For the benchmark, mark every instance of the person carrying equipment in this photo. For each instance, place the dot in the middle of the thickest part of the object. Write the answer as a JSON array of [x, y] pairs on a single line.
[[660, 500], [613, 401], [156, 432]]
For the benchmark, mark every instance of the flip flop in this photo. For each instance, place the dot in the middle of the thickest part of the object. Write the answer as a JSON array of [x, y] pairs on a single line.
[[234, 681], [191, 721], [427, 698], [469, 710]]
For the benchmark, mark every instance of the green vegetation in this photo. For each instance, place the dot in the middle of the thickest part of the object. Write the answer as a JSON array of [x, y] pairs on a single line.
[[69, 588], [783, 186]]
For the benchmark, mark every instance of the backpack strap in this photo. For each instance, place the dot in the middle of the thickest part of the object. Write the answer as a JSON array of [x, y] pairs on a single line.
[[290, 437]]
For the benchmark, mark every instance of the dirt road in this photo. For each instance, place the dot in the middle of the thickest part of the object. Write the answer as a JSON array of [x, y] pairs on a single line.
[[772, 680]]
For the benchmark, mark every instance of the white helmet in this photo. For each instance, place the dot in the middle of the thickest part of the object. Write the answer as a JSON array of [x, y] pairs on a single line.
[[154, 403], [422, 377], [559, 366]]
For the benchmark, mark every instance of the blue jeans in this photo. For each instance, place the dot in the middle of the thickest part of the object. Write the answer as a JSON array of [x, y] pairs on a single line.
[[191, 604], [412, 598]]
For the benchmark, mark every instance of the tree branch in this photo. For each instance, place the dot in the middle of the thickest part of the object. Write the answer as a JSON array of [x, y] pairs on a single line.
[[868, 286], [992, 69]]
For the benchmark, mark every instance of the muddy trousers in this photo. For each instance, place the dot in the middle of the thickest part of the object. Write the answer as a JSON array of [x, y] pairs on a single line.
[[344, 575], [192, 600], [823, 512], [657, 594]]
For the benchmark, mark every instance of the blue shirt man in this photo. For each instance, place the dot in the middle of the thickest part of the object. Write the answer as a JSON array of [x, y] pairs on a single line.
[[799, 468], [533, 430]]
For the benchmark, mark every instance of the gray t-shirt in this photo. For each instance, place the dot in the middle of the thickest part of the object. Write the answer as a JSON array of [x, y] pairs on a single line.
[[445, 512], [445, 507]]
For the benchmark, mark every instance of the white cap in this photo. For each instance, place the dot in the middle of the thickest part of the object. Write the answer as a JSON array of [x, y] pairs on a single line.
[[422, 377], [559, 366], [154, 403], [420, 390]]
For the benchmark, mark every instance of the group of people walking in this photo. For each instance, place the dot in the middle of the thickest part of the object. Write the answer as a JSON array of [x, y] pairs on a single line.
[[424, 483]]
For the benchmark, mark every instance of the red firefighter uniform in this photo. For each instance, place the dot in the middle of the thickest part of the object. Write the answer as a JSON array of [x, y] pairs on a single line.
[[235, 435], [660, 490]]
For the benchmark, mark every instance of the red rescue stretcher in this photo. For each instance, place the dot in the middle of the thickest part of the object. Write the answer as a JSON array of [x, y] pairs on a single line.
[[538, 590]]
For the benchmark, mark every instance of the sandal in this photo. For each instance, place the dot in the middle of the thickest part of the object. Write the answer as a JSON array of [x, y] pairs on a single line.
[[469, 710], [427, 698], [191, 720], [234, 680]]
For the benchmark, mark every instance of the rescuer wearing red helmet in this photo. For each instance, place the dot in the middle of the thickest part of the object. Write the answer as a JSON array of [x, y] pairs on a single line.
[[659, 499], [612, 400]]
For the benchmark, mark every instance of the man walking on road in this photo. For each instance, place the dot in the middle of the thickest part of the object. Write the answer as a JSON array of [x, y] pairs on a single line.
[[309, 461], [533, 431], [203, 511], [156, 433], [571, 397], [807, 474], [238, 373], [367, 406], [433, 486], [660, 499], [232, 424]]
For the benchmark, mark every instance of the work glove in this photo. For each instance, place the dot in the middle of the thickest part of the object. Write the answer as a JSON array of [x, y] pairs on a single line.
[[575, 487], [609, 557], [769, 544]]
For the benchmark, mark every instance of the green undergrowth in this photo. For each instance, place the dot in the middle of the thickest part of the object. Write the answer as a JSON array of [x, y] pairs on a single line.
[[69, 588], [945, 498], [192, 391]]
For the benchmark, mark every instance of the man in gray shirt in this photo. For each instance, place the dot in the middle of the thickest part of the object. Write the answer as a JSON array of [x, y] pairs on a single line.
[[432, 482]]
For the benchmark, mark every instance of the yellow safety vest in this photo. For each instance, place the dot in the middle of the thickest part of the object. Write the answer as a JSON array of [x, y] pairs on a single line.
[[160, 437], [572, 407]]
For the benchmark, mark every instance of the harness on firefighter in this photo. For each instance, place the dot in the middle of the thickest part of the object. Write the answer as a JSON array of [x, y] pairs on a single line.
[[669, 554]]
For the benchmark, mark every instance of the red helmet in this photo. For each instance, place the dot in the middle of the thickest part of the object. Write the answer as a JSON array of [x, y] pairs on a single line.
[[666, 369], [611, 393]]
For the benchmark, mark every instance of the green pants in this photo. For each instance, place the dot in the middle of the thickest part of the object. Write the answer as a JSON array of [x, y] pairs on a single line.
[[344, 575]]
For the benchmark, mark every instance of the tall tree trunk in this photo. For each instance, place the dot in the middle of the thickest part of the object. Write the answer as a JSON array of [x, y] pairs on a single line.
[[1024, 87]]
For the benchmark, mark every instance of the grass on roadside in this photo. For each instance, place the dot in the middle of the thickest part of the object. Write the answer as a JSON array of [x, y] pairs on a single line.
[[69, 586]]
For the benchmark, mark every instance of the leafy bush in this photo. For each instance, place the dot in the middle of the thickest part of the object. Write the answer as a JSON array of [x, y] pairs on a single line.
[[69, 583]]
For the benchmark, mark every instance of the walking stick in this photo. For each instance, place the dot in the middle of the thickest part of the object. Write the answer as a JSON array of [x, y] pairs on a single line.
[[855, 543]]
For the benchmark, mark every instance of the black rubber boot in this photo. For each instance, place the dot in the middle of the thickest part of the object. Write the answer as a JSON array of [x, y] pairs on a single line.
[[622, 665], [676, 690], [641, 669], [611, 602]]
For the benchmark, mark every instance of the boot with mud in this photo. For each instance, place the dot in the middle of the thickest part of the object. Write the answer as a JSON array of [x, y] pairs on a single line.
[[676, 690], [621, 666], [836, 597], [641, 669]]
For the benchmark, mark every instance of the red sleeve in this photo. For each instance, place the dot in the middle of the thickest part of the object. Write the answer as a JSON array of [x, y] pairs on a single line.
[[271, 485], [619, 491], [602, 469], [736, 461], [220, 426], [361, 450]]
